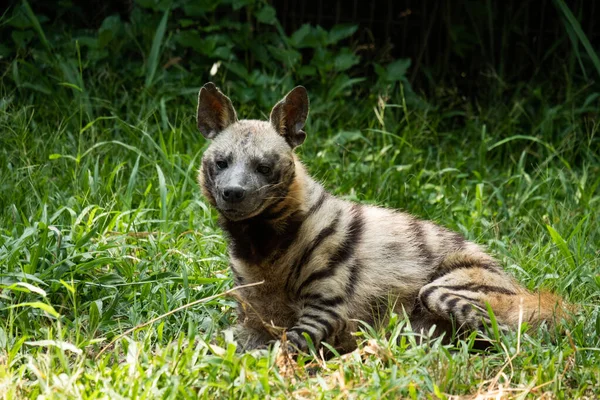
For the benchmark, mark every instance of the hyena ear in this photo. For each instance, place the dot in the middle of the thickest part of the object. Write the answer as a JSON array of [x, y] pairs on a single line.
[[215, 111], [289, 115]]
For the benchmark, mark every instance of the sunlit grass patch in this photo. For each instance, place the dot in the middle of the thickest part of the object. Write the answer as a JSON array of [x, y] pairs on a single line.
[[105, 241]]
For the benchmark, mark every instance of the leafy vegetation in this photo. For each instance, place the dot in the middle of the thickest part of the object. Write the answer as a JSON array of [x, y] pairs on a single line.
[[103, 228]]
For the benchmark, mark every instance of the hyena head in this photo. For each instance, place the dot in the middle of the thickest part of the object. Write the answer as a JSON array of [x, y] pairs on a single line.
[[250, 164]]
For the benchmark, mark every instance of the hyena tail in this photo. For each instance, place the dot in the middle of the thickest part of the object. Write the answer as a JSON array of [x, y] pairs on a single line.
[[462, 294], [532, 308]]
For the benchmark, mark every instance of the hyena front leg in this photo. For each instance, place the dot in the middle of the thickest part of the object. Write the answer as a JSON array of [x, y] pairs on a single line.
[[320, 318], [250, 332], [250, 338], [326, 290], [462, 290]]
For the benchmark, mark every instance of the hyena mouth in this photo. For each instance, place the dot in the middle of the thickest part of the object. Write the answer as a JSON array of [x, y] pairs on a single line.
[[235, 214]]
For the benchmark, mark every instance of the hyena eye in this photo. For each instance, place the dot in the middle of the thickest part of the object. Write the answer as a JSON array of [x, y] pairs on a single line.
[[264, 169], [221, 164]]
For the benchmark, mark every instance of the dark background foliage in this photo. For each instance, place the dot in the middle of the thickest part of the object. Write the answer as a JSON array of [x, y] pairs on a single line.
[[470, 46]]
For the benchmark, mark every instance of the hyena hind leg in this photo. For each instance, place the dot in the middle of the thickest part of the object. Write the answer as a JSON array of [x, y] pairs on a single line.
[[462, 295]]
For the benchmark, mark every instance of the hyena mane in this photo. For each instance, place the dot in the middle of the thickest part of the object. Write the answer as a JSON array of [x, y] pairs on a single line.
[[327, 263]]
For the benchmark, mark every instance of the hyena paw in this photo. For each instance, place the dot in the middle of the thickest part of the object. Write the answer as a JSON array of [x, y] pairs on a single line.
[[250, 339], [296, 342]]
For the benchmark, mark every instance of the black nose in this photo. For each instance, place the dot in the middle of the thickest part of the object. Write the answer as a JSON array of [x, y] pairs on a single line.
[[234, 194]]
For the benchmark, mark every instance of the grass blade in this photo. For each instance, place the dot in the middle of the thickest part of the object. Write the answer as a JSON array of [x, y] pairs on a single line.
[[155, 50], [576, 27], [163, 194], [562, 246], [56, 343], [37, 27], [39, 305], [132, 180]]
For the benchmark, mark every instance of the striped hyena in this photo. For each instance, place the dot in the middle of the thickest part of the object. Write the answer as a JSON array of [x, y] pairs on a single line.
[[327, 263]]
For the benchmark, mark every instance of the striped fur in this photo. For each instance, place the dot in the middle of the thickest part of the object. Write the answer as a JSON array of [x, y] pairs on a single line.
[[327, 263]]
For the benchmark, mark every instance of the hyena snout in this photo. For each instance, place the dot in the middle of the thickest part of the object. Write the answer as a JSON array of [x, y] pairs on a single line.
[[233, 194]]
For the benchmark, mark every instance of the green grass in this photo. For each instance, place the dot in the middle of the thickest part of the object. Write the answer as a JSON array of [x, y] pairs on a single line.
[[103, 228]]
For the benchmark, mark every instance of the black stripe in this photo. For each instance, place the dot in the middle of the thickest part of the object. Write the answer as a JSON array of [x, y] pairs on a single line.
[[353, 278], [316, 242], [472, 287], [315, 276], [233, 269], [300, 331], [452, 303], [310, 324], [318, 203], [445, 269], [417, 229], [445, 296], [458, 241], [273, 215], [466, 309], [238, 280], [343, 252], [334, 315], [315, 299], [282, 192], [471, 299], [312, 317], [425, 295]]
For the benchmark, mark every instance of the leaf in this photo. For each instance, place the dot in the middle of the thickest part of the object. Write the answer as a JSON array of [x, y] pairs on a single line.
[[109, 30], [86, 238], [308, 37], [22, 38], [344, 137], [111, 279], [345, 60], [339, 32], [396, 71], [238, 69], [56, 343], [266, 15], [238, 4], [289, 57], [19, 19], [191, 39], [297, 37]]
